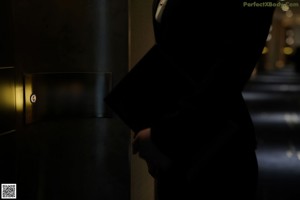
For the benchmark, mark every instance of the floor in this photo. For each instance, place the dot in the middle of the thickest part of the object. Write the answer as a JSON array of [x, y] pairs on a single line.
[[273, 99]]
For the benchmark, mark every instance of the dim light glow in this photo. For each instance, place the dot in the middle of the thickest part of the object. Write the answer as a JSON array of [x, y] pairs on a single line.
[[288, 50], [285, 7], [7, 96], [269, 37], [279, 64], [19, 98], [28, 93], [298, 155], [289, 154], [290, 40], [265, 50], [292, 119]]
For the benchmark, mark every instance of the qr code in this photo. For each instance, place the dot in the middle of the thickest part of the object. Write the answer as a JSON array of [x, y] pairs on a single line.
[[8, 191]]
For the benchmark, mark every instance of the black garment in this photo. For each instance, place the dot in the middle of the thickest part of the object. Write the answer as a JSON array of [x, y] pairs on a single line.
[[216, 53], [229, 175], [295, 58], [206, 131]]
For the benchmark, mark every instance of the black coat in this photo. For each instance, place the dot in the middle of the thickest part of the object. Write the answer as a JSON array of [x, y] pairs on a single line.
[[188, 87], [215, 46]]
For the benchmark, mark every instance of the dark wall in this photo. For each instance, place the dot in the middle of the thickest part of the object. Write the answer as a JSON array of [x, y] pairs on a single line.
[[62, 155], [7, 97]]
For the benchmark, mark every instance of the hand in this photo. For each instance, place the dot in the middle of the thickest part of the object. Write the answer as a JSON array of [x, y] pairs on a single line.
[[148, 151]]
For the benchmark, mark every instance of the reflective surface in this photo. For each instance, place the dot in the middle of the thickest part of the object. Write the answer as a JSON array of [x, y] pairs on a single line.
[[276, 116], [56, 95]]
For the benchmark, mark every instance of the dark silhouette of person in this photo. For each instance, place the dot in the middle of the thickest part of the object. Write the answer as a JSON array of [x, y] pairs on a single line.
[[295, 58], [205, 148]]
